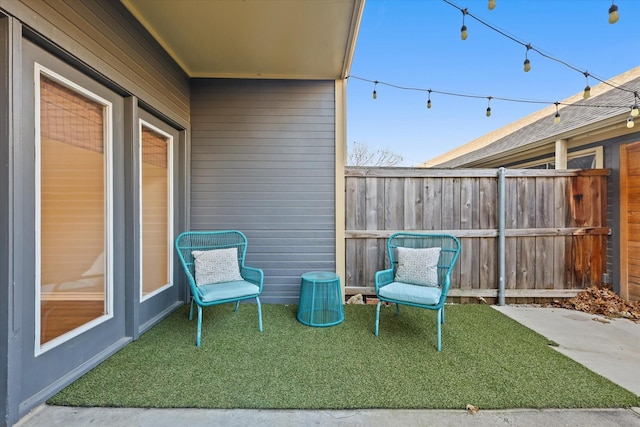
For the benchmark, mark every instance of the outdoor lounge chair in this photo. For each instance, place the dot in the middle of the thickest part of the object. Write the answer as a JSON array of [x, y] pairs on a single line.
[[419, 275], [214, 264]]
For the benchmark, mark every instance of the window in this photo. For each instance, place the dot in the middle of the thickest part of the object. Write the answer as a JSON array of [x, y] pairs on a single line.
[[591, 158], [156, 206], [73, 209]]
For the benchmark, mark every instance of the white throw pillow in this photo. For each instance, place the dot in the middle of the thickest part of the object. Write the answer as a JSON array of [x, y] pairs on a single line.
[[418, 266], [216, 266]]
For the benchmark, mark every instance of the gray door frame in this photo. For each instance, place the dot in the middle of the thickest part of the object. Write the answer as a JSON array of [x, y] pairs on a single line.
[[60, 365]]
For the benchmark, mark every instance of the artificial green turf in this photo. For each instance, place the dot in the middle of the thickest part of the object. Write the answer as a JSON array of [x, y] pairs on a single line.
[[487, 360]]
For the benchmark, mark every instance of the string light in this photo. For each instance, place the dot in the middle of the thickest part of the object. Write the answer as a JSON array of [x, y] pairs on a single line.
[[587, 88], [538, 51], [463, 31], [635, 111], [527, 63], [491, 5], [613, 14], [528, 101], [557, 116]]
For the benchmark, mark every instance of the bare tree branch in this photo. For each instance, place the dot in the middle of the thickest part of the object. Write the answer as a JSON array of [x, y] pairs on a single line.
[[361, 154]]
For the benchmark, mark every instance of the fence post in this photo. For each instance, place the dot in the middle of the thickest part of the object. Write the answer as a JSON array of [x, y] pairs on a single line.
[[502, 203]]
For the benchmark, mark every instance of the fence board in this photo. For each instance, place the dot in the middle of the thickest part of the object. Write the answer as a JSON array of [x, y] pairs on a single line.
[[545, 206], [469, 261], [413, 198], [525, 250], [560, 244], [432, 219], [511, 245], [555, 236], [394, 204], [353, 220]]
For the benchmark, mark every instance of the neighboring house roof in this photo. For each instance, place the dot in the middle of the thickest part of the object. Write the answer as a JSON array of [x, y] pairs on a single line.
[[255, 39], [539, 128]]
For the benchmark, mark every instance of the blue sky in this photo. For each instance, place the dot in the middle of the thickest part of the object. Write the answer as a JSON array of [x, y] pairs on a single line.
[[416, 43]]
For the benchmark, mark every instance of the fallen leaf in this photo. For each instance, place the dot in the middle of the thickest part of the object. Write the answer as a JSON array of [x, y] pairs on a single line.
[[597, 319], [601, 301], [472, 409]]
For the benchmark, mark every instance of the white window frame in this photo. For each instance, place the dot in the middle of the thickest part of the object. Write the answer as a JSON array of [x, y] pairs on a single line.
[[39, 348], [143, 123]]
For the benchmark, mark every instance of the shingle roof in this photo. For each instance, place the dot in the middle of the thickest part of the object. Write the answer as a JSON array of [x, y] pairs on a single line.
[[605, 102]]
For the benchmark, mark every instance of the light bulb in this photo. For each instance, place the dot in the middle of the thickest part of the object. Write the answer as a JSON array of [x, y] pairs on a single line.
[[463, 32], [375, 94], [492, 4], [613, 14], [429, 103], [488, 112], [557, 116], [527, 65], [635, 111], [587, 92], [630, 123]]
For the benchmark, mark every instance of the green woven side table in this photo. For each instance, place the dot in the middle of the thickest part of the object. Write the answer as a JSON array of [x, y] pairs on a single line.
[[320, 299]]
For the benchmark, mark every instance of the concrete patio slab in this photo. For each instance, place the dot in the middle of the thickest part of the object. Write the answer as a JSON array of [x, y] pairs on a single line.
[[609, 347], [47, 416]]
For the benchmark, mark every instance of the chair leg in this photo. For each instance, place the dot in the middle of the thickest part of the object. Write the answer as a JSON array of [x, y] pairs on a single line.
[[191, 310], [198, 334], [237, 305], [259, 314], [397, 309], [440, 319], [377, 318]]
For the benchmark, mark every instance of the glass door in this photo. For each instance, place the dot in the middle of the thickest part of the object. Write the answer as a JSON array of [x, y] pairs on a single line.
[[156, 210], [73, 199], [155, 205]]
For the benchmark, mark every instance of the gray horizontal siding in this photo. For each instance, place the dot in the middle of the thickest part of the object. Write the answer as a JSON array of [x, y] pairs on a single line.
[[108, 39], [573, 117], [263, 162]]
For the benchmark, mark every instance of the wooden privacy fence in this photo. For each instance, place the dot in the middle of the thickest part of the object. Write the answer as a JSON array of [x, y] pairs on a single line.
[[525, 232]]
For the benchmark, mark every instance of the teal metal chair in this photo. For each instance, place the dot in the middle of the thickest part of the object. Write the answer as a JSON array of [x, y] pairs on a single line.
[[209, 256], [419, 273]]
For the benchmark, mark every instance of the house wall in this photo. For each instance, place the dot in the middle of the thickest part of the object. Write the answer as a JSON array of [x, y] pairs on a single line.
[[263, 162], [101, 40], [105, 37]]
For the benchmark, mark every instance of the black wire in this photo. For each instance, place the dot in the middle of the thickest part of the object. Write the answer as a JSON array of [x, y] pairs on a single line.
[[528, 101], [530, 47]]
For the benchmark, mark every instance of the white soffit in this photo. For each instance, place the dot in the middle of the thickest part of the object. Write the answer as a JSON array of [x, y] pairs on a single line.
[[294, 39]]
